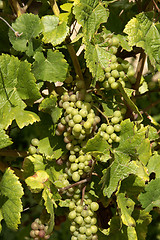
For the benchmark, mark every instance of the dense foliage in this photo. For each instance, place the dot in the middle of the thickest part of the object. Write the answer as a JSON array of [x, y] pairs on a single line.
[[79, 119]]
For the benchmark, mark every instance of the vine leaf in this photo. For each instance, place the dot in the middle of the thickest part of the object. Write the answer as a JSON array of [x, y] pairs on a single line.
[[154, 165], [54, 32], [151, 197], [17, 83], [11, 189], [30, 25], [32, 164], [145, 33], [52, 69], [48, 202], [126, 206], [5, 141], [123, 165], [90, 14], [36, 181], [131, 232]]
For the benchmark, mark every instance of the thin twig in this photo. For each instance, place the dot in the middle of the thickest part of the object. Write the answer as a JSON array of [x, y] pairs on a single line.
[[74, 184], [16, 33], [83, 193], [102, 114], [55, 7]]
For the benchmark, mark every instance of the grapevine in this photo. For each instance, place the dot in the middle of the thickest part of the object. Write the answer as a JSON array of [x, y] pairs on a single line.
[[79, 119]]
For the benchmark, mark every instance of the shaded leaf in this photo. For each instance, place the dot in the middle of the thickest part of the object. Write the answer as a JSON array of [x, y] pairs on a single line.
[[131, 232], [154, 165], [5, 141]]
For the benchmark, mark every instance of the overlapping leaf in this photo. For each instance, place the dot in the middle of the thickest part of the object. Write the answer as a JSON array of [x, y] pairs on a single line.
[[30, 26], [52, 69], [122, 165], [11, 188], [17, 83], [144, 32], [54, 32], [154, 165]]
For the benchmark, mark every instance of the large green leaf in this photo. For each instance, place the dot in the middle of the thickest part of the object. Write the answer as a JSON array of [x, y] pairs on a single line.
[[11, 188], [52, 69], [54, 32], [151, 197], [31, 26], [123, 163], [17, 83], [5, 141], [90, 14], [144, 32]]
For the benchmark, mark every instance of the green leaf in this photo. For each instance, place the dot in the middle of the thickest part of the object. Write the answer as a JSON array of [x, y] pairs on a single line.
[[31, 26], [151, 197], [131, 232], [37, 182], [117, 230], [1, 218], [97, 59], [131, 104], [11, 188], [126, 207], [52, 69], [67, 7], [56, 114], [96, 145], [48, 104], [32, 164], [144, 32], [54, 32], [48, 202], [122, 164], [154, 165], [144, 151], [90, 14], [17, 83], [5, 141]]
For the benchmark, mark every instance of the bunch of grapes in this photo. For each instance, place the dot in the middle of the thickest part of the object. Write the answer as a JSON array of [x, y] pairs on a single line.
[[39, 230], [77, 125], [33, 148], [83, 218], [110, 131], [118, 70]]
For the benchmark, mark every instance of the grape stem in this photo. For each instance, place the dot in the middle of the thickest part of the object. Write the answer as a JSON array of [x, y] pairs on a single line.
[[83, 193], [102, 114], [74, 184]]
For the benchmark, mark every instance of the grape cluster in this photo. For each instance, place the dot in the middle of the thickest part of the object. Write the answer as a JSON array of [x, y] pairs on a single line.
[[118, 70], [33, 146], [83, 218], [110, 131], [39, 230], [77, 125]]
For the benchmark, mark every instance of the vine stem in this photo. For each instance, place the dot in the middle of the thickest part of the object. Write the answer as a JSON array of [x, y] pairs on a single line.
[[102, 114], [54, 7], [74, 184], [16, 7], [83, 193], [4, 166], [139, 69], [13, 153]]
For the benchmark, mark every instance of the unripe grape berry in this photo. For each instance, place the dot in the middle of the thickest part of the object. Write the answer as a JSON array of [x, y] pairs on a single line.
[[114, 85], [77, 128], [32, 150], [72, 215], [75, 176], [77, 118], [41, 233], [115, 41], [34, 225], [117, 128], [35, 142], [110, 129], [115, 73], [111, 80], [47, 237], [32, 234], [115, 120], [79, 220], [94, 206], [94, 229]]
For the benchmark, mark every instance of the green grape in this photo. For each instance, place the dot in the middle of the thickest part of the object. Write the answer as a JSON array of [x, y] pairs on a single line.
[[65, 105], [73, 98], [41, 233], [115, 41], [115, 120], [74, 111], [106, 136], [107, 75], [93, 221], [69, 110], [71, 205], [79, 209], [76, 176], [82, 229], [79, 104], [77, 118], [81, 165], [111, 80], [72, 215], [114, 85], [72, 158], [117, 139], [110, 129], [107, 69], [103, 126], [81, 158], [79, 220], [88, 231], [106, 85], [113, 136], [77, 128], [113, 59], [82, 237], [87, 125], [35, 142], [115, 73], [125, 64], [117, 128], [32, 234], [94, 229], [47, 237], [94, 206], [117, 114], [86, 106], [113, 66], [34, 225], [87, 219], [83, 113], [110, 140], [32, 150], [72, 228], [130, 73], [84, 213], [2, 4], [113, 50], [73, 238], [65, 97], [94, 237], [74, 167], [80, 84]]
